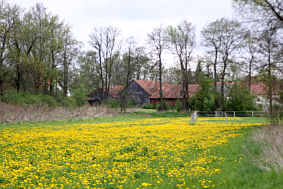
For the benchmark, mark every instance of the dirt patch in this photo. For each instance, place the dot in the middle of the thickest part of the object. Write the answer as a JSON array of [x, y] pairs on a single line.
[[271, 139], [15, 113]]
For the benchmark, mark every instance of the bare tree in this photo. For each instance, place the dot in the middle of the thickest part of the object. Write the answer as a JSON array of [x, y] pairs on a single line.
[[212, 41], [264, 10], [70, 50], [105, 41], [182, 40], [250, 55], [269, 46], [158, 44], [223, 38]]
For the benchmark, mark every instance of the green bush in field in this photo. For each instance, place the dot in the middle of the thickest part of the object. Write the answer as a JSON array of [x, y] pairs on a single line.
[[148, 106], [240, 99], [12, 97], [48, 100], [204, 99], [68, 102], [178, 106], [162, 106], [112, 103], [80, 96], [25, 98], [131, 103]]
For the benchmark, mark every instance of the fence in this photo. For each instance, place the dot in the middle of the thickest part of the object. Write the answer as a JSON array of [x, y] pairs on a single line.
[[232, 114]]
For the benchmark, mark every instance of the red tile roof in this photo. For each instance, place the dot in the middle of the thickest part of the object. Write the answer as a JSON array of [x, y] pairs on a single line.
[[258, 89], [174, 91], [169, 90], [150, 86]]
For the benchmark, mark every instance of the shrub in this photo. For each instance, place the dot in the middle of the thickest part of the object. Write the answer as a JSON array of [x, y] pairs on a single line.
[[80, 96], [204, 100], [162, 106], [48, 100], [112, 103], [148, 106], [178, 106], [68, 102], [240, 99], [24, 98]]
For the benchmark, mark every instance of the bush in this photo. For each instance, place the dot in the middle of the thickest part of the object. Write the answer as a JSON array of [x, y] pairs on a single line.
[[240, 99], [178, 106], [162, 106], [25, 98], [205, 98], [148, 106], [48, 100], [111, 103], [80, 96], [68, 102]]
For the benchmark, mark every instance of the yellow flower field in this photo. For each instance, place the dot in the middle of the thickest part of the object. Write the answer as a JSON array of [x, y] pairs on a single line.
[[149, 153]]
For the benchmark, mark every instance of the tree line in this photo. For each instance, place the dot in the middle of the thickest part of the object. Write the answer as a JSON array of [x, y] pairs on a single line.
[[38, 53]]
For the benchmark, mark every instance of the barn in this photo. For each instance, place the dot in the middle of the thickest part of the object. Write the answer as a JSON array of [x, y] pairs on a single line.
[[146, 91]]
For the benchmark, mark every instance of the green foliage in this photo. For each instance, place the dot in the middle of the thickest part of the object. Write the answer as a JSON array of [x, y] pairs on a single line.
[[204, 100], [48, 100], [25, 98], [178, 106], [112, 103], [80, 96], [162, 106], [148, 106], [240, 99], [68, 102]]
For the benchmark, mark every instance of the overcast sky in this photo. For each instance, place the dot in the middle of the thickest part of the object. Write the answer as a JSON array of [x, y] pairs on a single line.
[[134, 18]]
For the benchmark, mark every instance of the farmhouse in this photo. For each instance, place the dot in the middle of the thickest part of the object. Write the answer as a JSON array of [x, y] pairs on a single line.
[[146, 91]]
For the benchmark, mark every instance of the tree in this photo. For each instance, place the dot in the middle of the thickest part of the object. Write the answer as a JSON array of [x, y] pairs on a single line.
[[251, 54], [182, 40], [204, 99], [142, 62], [269, 11], [70, 50], [224, 38], [156, 40], [105, 42], [269, 45], [129, 56], [212, 41], [87, 72], [8, 14], [240, 99]]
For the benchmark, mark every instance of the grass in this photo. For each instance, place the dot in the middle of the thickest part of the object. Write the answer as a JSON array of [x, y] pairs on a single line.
[[246, 155], [137, 150]]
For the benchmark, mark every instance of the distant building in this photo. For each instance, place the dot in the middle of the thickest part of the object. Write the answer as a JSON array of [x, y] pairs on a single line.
[[148, 92]]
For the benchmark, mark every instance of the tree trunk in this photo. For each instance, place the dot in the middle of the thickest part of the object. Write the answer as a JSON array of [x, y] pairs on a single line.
[[215, 68], [160, 81], [270, 83], [250, 74], [18, 77], [1, 88], [66, 73], [222, 82], [128, 69]]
